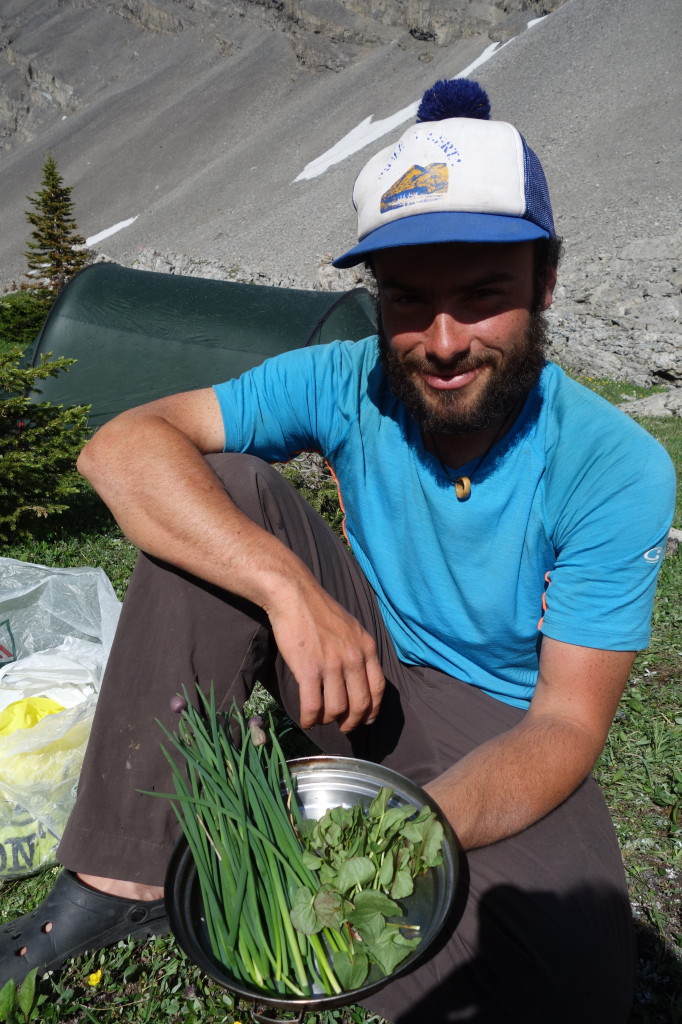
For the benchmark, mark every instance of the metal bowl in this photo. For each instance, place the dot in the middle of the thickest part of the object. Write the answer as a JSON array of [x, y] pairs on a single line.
[[323, 782]]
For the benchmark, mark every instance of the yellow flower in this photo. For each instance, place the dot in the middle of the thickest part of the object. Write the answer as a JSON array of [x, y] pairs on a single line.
[[95, 978]]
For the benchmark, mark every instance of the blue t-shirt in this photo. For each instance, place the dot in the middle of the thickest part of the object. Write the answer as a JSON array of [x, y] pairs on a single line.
[[562, 534]]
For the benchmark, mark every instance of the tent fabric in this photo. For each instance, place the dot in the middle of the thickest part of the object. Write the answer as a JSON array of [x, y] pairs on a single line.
[[137, 335]]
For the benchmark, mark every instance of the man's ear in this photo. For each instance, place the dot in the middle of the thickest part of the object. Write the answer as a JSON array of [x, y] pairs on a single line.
[[548, 291]]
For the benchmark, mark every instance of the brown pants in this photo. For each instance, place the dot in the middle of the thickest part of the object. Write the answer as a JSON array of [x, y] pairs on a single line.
[[546, 936]]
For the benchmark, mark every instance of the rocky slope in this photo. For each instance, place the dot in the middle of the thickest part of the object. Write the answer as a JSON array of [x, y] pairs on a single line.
[[44, 76], [196, 117]]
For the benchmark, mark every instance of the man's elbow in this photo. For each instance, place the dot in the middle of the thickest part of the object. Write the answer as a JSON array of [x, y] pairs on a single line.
[[84, 461], [93, 467], [96, 454]]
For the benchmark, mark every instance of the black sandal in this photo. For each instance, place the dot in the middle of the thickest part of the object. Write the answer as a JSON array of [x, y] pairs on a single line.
[[71, 920]]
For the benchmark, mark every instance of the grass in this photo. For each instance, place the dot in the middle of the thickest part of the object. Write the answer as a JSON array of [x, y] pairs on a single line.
[[640, 771], [616, 391]]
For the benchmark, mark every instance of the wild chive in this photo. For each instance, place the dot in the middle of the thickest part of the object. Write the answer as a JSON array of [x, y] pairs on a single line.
[[293, 907]]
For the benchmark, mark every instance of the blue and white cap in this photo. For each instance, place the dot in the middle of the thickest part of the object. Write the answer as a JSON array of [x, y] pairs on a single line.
[[455, 176]]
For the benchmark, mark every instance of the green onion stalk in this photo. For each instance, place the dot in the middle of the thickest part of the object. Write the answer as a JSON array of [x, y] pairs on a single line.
[[243, 833]]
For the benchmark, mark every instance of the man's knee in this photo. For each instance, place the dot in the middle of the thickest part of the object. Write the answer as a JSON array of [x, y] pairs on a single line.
[[238, 471], [264, 494], [253, 485]]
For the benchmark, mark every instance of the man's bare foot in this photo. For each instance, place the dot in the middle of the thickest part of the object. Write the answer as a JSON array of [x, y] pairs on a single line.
[[117, 887]]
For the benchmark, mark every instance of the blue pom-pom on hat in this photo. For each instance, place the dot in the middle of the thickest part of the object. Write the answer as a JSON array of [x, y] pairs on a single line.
[[454, 97]]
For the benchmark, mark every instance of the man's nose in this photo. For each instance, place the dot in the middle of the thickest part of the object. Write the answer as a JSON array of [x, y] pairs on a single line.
[[447, 337]]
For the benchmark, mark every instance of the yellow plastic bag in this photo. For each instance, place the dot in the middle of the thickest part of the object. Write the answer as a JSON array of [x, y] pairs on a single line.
[[56, 627], [24, 714], [39, 769]]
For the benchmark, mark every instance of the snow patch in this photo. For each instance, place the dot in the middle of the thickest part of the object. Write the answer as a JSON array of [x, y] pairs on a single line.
[[536, 21], [368, 130], [94, 239]]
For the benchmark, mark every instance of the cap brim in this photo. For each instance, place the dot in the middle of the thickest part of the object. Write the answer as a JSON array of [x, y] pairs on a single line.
[[439, 228]]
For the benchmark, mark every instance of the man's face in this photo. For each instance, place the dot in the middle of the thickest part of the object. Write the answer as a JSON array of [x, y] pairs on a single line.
[[458, 340]]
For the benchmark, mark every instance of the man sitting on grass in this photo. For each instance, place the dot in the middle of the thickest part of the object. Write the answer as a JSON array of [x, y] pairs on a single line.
[[506, 528]]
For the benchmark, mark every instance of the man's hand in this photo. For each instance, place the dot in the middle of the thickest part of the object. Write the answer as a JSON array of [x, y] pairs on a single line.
[[332, 658]]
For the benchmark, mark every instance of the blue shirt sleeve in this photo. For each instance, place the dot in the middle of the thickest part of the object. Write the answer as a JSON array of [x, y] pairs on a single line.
[[610, 506], [291, 403]]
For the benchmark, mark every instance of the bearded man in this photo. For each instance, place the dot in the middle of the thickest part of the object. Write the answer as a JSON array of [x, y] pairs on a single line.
[[477, 639]]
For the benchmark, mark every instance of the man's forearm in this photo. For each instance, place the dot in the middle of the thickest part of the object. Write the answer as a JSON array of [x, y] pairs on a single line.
[[513, 780], [174, 507]]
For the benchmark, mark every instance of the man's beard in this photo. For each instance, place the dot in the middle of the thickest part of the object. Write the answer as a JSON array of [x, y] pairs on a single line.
[[447, 412]]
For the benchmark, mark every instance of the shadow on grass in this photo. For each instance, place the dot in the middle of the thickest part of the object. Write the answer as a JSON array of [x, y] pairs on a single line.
[[87, 515], [658, 992], [84, 535]]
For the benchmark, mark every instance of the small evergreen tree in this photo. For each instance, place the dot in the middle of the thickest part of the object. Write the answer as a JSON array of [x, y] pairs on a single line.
[[56, 252], [39, 445], [39, 442]]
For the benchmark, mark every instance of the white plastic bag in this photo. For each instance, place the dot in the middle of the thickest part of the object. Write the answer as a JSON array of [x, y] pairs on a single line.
[[56, 629]]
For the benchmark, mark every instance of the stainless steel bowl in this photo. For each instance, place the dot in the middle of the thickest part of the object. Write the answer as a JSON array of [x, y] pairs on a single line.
[[323, 782]]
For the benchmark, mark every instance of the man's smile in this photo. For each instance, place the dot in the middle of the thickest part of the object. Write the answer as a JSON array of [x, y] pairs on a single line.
[[450, 382]]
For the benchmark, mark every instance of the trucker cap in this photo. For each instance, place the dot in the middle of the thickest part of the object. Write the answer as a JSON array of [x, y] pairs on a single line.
[[455, 176]]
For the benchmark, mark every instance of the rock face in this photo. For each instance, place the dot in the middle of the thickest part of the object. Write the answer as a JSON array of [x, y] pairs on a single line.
[[619, 314], [443, 23], [191, 120], [42, 75]]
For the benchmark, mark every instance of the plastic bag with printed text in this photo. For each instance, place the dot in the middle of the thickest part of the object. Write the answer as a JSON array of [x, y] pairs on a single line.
[[56, 629]]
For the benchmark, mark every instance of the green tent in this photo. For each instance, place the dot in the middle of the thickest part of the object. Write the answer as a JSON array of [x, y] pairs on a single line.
[[138, 335]]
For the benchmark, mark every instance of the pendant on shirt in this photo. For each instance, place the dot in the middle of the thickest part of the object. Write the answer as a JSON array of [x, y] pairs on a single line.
[[462, 488], [463, 483]]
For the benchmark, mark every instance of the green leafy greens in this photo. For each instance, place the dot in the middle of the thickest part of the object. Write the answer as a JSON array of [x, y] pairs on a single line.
[[293, 906]]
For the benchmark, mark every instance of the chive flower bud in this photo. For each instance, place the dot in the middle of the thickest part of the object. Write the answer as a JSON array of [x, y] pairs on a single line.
[[256, 731]]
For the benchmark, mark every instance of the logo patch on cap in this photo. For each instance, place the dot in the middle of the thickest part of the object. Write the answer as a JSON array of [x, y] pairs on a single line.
[[418, 185]]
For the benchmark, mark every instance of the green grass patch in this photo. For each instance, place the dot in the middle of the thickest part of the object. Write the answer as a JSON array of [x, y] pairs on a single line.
[[640, 772], [615, 391], [86, 534]]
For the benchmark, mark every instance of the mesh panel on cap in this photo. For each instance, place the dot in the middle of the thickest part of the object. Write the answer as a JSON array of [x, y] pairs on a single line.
[[538, 206]]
